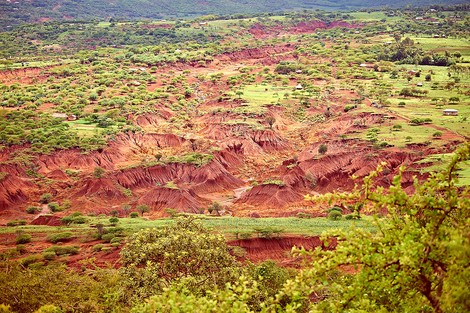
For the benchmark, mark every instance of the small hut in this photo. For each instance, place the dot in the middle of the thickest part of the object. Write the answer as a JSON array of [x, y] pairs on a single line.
[[451, 112]]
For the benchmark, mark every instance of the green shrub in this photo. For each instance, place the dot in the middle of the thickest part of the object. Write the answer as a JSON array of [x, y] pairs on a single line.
[[49, 255], [74, 218], [16, 223], [134, 215], [54, 206], [349, 107], [5, 309], [45, 198], [304, 215], [116, 240], [322, 149], [49, 308], [108, 237], [33, 209], [21, 248], [54, 238], [268, 232], [98, 247], [335, 208], [334, 215], [23, 238], [437, 134], [36, 265], [30, 260], [114, 220], [63, 250]]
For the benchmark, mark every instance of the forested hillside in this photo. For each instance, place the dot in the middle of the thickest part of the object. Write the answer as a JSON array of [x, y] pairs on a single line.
[[15, 12]]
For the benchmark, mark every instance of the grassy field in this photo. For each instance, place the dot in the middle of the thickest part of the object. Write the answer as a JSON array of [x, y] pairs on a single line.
[[440, 161], [229, 226]]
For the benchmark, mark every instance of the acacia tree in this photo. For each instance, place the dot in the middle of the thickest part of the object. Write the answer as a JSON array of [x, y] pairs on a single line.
[[418, 261], [184, 253]]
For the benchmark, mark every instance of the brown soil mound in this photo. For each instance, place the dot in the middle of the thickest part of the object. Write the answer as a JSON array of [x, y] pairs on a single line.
[[278, 249], [161, 198], [48, 220], [153, 119], [229, 158], [296, 178], [13, 190], [270, 195], [76, 160], [265, 55], [57, 175], [212, 177], [103, 188], [144, 143], [268, 140], [347, 158]]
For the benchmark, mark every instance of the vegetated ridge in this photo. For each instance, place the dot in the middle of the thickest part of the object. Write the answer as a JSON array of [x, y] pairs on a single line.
[[15, 12]]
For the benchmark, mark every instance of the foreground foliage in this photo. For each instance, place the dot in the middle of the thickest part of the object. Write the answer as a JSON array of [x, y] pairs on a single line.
[[417, 262], [185, 253]]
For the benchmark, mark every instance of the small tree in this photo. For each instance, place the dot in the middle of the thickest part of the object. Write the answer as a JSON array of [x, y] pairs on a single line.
[[185, 252], [270, 120], [98, 172], [113, 220], [143, 208], [322, 149], [45, 198]]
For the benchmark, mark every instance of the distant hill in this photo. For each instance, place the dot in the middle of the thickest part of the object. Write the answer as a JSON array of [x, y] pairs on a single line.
[[13, 12]]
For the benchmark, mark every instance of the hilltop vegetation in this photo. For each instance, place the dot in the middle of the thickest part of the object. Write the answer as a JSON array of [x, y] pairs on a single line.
[[16, 12]]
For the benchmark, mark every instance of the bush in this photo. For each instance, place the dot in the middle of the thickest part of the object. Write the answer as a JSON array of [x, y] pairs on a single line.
[[437, 134], [322, 149], [21, 248], [33, 209], [98, 247], [335, 208], [304, 215], [54, 206], [108, 237], [335, 215], [23, 238], [397, 127], [116, 240], [54, 238], [75, 218], [49, 255], [114, 220], [183, 252], [349, 107], [45, 198], [63, 250], [134, 215], [16, 223], [30, 260], [49, 308]]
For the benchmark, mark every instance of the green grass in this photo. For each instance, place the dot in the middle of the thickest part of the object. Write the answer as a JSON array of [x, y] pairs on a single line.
[[372, 16], [229, 226], [443, 44], [258, 96], [439, 163], [82, 127]]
